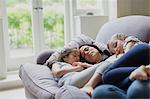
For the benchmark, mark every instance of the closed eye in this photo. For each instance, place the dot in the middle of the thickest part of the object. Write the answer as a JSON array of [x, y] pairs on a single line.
[[115, 44], [86, 49]]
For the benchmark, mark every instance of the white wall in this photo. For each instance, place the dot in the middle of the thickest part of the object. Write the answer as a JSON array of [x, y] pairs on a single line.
[[89, 25]]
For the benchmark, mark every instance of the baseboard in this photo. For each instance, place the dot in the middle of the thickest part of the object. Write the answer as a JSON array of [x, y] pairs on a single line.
[[12, 81]]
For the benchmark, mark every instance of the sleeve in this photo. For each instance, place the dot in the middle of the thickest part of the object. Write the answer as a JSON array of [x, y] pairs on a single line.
[[103, 66], [56, 66], [131, 38]]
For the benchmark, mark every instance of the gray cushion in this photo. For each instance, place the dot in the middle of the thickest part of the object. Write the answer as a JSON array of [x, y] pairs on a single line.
[[138, 26], [70, 92], [43, 56], [38, 79]]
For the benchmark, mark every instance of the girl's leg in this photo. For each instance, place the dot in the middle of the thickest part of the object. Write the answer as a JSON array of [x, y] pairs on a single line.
[[119, 77], [137, 56]]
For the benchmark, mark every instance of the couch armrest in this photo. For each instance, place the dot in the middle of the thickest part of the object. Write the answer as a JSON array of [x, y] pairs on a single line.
[[38, 80], [71, 92], [43, 56]]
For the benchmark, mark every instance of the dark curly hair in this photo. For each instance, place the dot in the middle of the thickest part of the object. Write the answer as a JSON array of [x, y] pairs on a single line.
[[82, 59]]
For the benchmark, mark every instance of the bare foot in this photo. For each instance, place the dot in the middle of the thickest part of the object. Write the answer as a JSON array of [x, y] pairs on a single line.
[[88, 90], [148, 70], [139, 73]]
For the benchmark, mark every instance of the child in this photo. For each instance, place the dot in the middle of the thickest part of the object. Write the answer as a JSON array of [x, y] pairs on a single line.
[[68, 65], [120, 43]]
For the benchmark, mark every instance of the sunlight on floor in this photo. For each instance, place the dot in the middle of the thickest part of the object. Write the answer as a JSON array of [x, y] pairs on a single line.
[[13, 94]]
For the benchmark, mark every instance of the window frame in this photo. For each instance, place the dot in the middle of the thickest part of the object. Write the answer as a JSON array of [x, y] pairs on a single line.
[[71, 12], [13, 63], [8, 63]]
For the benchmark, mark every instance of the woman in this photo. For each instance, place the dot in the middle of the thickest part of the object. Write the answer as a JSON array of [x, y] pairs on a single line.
[[133, 65]]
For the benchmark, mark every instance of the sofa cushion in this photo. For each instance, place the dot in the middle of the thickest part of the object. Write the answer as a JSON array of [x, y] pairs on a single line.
[[43, 56], [138, 26], [70, 92], [39, 80]]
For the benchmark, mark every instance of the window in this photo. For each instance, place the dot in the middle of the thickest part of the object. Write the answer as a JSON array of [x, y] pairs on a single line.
[[20, 39], [75, 8], [27, 27], [53, 15], [19, 28], [89, 7], [86, 4]]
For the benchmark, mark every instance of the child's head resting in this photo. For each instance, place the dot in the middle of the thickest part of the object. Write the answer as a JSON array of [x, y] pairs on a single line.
[[70, 56], [116, 42]]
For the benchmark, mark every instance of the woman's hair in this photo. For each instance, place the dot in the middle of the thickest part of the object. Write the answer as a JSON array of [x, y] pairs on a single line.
[[64, 53], [82, 59]]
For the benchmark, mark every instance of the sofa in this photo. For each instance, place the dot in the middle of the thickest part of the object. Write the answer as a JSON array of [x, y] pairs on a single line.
[[38, 80]]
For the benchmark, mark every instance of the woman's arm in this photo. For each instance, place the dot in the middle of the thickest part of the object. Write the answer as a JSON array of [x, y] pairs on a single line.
[[89, 87], [59, 72]]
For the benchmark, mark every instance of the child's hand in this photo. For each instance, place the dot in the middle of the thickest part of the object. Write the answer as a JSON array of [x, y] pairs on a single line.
[[76, 64], [79, 68], [118, 52], [86, 65]]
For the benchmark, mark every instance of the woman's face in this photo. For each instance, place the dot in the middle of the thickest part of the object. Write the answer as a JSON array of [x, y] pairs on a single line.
[[116, 46], [90, 54]]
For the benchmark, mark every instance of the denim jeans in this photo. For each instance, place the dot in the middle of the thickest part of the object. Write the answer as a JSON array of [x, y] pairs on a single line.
[[137, 90], [108, 92]]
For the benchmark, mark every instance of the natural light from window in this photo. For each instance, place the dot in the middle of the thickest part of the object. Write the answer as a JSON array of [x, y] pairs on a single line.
[[19, 27], [53, 14]]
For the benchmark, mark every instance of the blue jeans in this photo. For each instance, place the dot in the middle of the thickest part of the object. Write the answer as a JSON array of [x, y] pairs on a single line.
[[118, 73], [108, 92], [137, 90]]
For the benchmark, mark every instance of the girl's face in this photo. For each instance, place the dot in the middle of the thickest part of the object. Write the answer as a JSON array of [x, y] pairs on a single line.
[[74, 56], [90, 54], [116, 46]]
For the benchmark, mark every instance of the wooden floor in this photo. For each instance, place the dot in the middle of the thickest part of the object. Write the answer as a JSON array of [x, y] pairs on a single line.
[[13, 94]]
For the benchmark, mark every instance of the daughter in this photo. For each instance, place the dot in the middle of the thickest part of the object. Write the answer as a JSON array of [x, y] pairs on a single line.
[[68, 65], [120, 43]]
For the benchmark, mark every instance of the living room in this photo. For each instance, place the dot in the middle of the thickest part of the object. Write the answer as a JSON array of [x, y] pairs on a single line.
[[30, 27]]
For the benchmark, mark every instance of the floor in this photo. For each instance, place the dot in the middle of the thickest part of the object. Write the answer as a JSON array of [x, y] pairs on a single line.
[[13, 94]]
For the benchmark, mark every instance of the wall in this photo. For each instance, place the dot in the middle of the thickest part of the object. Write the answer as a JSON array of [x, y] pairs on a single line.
[[120, 8], [149, 7], [89, 25], [140, 7]]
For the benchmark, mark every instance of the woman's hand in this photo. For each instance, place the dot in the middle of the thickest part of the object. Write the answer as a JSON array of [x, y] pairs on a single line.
[[88, 90]]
